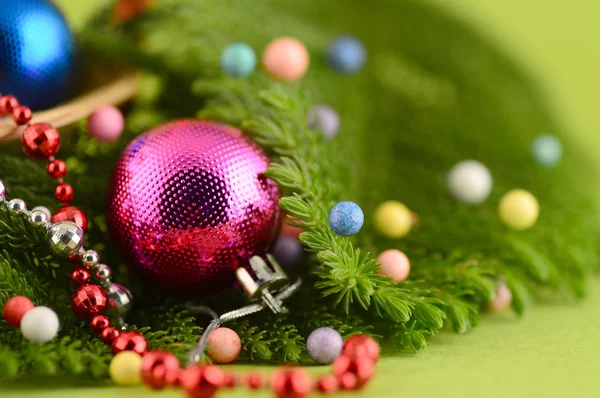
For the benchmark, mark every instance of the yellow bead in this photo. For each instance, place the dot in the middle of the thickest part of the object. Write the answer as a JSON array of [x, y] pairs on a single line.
[[518, 209], [393, 220], [125, 368]]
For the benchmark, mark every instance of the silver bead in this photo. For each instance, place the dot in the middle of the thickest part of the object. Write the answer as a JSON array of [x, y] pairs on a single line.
[[65, 238], [119, 300], [2, 190], [103, 273], [38, 218], [90, 259], [18, 206], [44, 209]]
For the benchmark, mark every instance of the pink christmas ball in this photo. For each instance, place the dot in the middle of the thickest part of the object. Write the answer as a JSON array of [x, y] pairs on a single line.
[[394, 264], [223, 345], [189, 203], [106, 123], [286, 59]]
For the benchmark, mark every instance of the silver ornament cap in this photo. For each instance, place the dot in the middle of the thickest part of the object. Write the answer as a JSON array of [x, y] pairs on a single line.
[[119, 300], [65, 238]]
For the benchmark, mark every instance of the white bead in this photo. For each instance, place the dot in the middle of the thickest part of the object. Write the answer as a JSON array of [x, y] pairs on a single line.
[[43, 209], [40, 324], [470, 182]]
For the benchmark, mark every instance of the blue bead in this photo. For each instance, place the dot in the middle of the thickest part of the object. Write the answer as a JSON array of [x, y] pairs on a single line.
[[36, 53], [238, 60], [346, 54], [546, 150], [346, 218]]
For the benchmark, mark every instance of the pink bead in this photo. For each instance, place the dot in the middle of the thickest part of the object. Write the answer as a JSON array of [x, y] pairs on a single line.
[[502, 298], [394, 264], [223, 345], [106, 123], [285, 59]]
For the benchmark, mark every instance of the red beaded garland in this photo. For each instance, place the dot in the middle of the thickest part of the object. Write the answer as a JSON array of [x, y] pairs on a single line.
[[361, 346], [291, 383], [40, 140], [160, 369], [129, 341], [255, 381], [64, 192], [328, 384], [230, 380], [99, 323], [202, 381], [71, 213], [56, 169], [109, 334], [8, 103], [361, 367], [88, 301], [80, 276], [21, 115]]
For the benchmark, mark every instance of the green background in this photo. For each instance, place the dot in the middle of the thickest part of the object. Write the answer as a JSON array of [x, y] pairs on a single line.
[[554, 350]]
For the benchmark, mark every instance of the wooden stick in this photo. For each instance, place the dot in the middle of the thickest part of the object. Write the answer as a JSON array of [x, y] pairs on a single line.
[[114, 93]]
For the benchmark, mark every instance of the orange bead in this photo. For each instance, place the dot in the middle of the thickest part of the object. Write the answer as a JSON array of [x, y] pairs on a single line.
[[223, 345], [286, 59], [394, 264]]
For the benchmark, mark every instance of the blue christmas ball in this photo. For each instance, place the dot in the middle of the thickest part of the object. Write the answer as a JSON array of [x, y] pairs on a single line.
[[346, 218], [546, 150], [238, 60], [36, 53], [347, 54]]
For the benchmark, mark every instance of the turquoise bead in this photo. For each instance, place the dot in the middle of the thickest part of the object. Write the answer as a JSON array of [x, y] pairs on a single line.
[[238, 60], [546, 150], [346, 218]]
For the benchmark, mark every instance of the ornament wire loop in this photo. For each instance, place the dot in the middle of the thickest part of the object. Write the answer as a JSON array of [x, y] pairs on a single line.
[[196, 354]]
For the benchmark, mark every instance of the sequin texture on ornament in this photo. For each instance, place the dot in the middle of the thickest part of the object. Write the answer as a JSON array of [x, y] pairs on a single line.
[[189, 203]]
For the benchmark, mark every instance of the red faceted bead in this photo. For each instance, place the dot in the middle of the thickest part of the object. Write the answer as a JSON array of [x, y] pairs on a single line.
[[40, 140], [89, 301], [362, 367], [15, 308], [21, 115], [8, 103], [160, 369], [130, 341], [202, 381], [109, 334], [56, 169], [291, 383], [99, 323], [71, 213], [361, 346], [64, 192], [328, 384], [80, 276], [255, 381]]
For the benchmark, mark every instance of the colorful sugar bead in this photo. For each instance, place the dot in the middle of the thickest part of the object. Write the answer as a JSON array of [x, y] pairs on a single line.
[[238, 60], [288, 251], [347, 54], [346, 218], [470, 182], [324, 345], [125, 368], [325, 119], [40, 324], [394, 264], [15, 308], [223, 345], [286, 59], [106, 123], [502, 298], [518, 209], [546, 150], [393, 219]]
